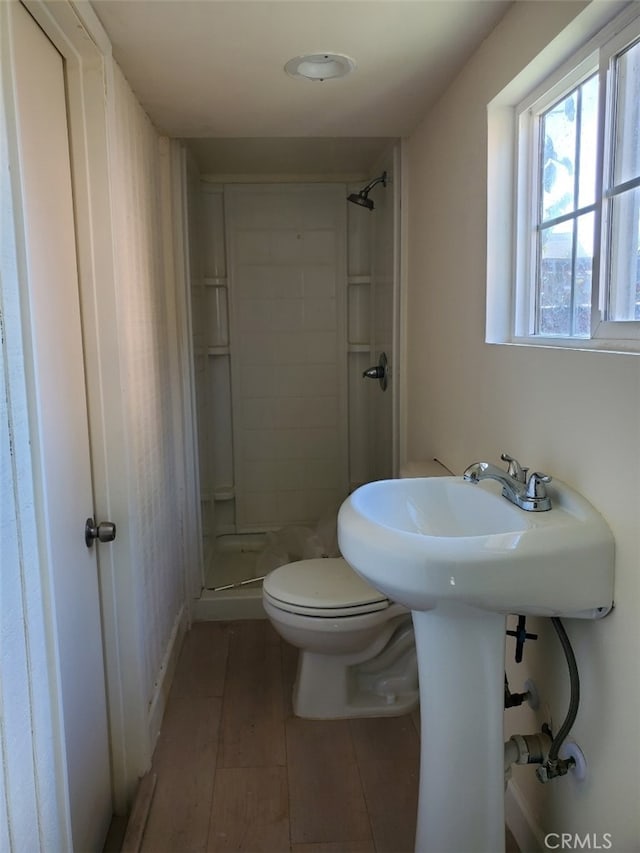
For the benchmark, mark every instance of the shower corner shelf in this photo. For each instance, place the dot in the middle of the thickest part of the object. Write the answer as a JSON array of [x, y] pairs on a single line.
[[359, 347], [359, 279], [218, 493], [215, 281], [224, 493], [220, 350]]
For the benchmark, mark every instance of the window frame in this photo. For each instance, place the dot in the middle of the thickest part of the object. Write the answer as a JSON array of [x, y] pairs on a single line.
[[615, 46], [597, 57]]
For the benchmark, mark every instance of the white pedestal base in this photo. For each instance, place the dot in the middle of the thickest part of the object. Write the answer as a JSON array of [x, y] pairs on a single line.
[[461, 665]]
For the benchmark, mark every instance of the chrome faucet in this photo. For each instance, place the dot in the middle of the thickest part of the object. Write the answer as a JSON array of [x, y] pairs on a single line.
[[528, 494]]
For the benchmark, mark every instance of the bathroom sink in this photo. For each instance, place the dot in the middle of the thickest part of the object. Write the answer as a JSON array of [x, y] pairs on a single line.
[[461, 557], [434, 539]]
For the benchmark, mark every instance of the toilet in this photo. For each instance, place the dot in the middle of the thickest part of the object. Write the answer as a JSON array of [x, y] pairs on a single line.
[[357, 651]]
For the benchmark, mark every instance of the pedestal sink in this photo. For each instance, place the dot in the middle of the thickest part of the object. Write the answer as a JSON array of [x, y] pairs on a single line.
[[461, 557]]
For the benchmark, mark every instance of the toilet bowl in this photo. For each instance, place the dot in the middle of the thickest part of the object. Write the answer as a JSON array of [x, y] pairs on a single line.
[[357, 654]]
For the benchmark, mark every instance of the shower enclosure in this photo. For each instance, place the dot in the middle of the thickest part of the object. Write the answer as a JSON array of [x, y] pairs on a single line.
[[293, 298]]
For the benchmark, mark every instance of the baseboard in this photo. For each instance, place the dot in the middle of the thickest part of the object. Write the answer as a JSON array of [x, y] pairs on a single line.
[[165, 676], [518, 817], [134, 835]]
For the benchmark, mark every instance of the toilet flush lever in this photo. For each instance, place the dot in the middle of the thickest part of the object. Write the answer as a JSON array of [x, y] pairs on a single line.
[[380, 371]]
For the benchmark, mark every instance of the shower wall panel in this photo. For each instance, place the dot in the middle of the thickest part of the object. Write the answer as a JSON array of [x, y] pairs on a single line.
[[373, 281], [383, 319], [287, 300], [359, 313], [214, 389]]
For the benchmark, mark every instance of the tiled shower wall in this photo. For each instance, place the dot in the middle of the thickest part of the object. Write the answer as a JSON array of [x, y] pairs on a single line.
[[286, 255], [284, 415]]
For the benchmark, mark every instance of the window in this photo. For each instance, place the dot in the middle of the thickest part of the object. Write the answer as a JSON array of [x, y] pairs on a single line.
[[578, 197]]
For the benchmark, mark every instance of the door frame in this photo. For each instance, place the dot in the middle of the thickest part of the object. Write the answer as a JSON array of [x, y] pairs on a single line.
[[77, 34], [31, 722]]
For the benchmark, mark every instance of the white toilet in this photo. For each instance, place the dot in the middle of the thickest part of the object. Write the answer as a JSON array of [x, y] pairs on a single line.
[[357, 652]]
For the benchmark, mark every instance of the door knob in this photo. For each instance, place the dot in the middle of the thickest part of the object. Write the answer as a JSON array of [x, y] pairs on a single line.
[[379, 371], [103, 532], [376, 372]]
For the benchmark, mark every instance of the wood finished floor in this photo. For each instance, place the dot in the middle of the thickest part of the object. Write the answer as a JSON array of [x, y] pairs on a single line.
[[237, 771]]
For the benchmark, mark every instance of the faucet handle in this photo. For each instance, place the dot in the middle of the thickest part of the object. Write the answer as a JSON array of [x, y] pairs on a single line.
[[536, 485], [515, 469]]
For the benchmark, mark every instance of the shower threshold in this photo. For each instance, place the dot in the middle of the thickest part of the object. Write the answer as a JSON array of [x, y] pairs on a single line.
[[236, 565], [231, 560], [233, 588], [238, 584]]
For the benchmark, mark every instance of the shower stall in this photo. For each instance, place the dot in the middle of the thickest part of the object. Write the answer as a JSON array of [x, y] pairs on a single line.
[[294, 296]]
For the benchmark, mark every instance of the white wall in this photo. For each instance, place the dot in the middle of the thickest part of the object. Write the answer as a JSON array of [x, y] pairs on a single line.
[[147, 330], [575, 415]]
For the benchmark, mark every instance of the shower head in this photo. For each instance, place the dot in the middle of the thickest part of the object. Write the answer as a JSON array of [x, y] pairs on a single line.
[[362, 198]]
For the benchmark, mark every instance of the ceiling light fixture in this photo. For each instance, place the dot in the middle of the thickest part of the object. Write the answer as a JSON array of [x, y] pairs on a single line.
[[320, 66]]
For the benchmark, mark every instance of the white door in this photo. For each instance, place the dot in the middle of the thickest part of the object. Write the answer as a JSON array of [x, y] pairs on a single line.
[[62, 438]]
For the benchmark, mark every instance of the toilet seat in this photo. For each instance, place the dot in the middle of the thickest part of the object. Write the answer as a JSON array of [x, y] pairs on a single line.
[[322, 587]]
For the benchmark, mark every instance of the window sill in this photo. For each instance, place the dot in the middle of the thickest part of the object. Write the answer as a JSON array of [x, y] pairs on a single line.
[[615, 347]]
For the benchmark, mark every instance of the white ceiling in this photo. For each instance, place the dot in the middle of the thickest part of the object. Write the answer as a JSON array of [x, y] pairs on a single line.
[[213, 69]]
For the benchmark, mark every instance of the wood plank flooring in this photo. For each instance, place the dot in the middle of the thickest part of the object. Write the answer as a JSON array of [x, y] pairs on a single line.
[[237, 771]]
